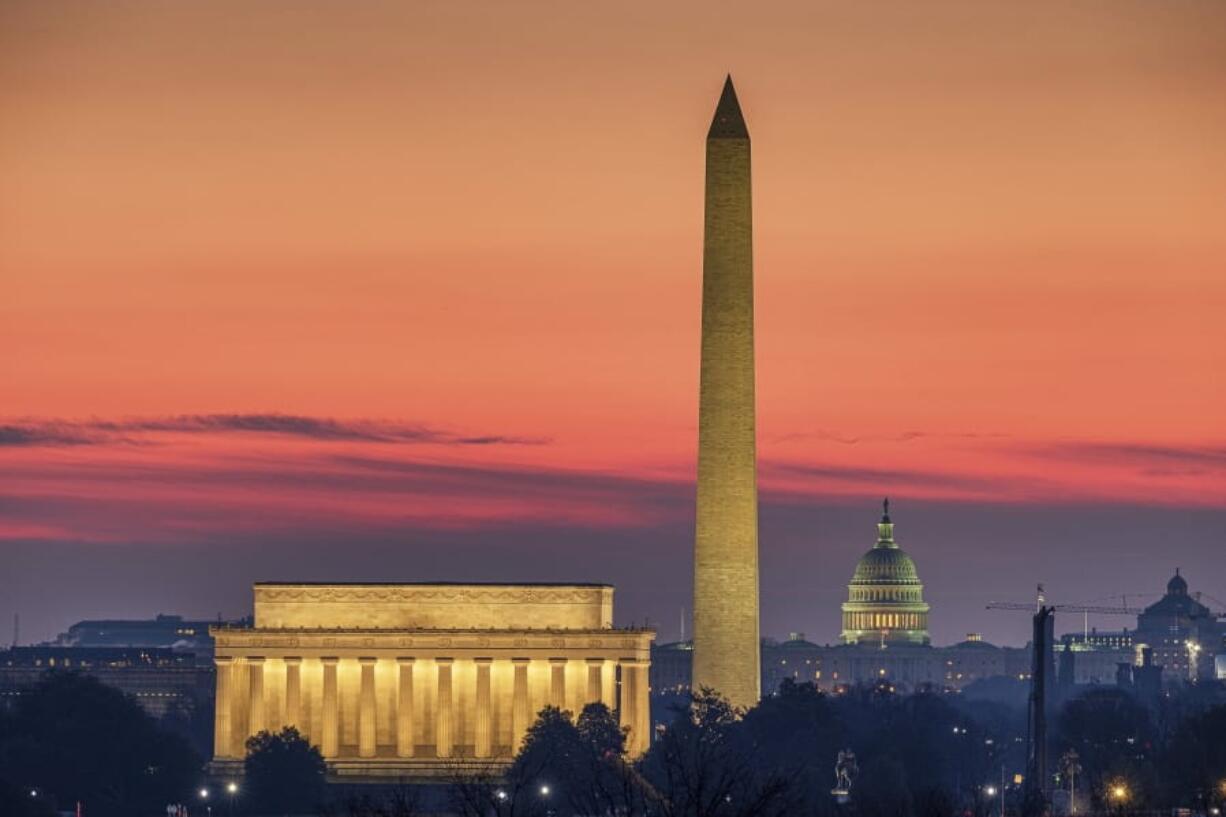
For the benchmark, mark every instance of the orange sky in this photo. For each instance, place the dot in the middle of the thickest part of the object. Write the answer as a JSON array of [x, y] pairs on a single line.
[[990, 238]]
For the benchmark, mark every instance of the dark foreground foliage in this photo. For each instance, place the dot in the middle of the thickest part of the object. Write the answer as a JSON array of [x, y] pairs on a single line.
[[927, 754], [283, 773], [71, 739]]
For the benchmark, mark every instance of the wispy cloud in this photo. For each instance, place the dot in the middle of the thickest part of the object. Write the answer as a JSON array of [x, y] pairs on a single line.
[[1151, 458], [826, 435], [29, 432]]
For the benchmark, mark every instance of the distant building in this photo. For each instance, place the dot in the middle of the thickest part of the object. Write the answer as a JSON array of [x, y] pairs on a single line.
[[885, 599], [1183, 637], [796, 658], [908, 666], [1183, 633], [168, 631], [1100, 639], [160, 679]]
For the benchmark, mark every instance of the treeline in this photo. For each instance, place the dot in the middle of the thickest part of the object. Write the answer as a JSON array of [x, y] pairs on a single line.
[[927, 754], [920, 755]]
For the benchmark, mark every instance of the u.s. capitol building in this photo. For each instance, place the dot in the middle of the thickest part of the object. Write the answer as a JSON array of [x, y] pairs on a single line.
[[884, 639]]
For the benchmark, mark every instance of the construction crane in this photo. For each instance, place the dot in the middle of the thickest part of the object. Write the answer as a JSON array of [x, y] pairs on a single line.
[[1084, 609]]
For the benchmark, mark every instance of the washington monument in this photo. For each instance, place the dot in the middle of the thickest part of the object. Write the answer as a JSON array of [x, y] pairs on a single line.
[[726, 649]]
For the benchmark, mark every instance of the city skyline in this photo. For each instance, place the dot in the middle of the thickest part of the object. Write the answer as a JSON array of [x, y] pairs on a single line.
[[448, 321]]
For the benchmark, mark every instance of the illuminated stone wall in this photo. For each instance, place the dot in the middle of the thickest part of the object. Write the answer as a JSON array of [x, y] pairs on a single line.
[[416, 606]]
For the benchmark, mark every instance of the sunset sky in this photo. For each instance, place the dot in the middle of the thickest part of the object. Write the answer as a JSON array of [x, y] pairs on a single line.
[[408, 291]]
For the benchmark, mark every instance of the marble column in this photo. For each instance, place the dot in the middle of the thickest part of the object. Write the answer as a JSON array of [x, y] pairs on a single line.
[[635, 706], [366, 708], [255, 686], [293, 693], [595, 686], [627, 702], [557, 682], [223, 740], [483, 738], [329, 743], [442, 728], [404, 708], [642, 707], [519, 703]]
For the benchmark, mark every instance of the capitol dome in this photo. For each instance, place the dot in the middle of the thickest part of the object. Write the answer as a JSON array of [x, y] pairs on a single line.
[[883, 565], [885, 599]]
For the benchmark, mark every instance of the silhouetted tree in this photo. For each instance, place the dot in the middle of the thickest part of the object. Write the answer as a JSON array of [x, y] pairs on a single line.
[[799, 732], [75, 739], [1115, 739], [284, 773], [538, 779], [1194, 762], [704, 766], [883, 790]]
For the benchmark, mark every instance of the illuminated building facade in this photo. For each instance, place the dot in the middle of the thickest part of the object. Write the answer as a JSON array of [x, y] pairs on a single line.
[[396, 680], [885, 599]]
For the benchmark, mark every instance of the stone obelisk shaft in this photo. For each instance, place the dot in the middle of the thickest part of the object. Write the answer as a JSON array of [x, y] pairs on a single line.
[[726, 648]]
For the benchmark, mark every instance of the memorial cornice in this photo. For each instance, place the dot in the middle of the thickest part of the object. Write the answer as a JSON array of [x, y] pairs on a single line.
[[485, 594], [599, 639]]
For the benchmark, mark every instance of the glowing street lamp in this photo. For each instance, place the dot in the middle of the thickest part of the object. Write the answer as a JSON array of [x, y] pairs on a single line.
[[204, 794], [545, 790], [990, 791], [232, 788]]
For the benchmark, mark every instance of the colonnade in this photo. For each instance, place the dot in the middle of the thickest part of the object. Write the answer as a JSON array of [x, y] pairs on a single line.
[[882, 621], [485, 678]]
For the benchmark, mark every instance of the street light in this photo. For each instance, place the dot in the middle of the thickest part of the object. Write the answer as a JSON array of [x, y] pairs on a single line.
[[1118, 793], [204, 794], [232, 788], [545, 790], [990, 791]]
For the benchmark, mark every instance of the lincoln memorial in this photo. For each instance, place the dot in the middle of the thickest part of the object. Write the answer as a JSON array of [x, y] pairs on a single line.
[[399, 680]]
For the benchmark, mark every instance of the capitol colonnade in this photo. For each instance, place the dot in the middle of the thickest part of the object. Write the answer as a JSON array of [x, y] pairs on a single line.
[[413, 697]]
